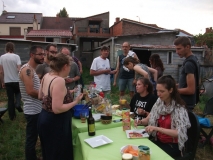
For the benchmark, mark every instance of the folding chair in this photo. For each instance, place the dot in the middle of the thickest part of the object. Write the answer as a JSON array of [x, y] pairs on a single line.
[[193, 134], [208, 110], [2, 111]]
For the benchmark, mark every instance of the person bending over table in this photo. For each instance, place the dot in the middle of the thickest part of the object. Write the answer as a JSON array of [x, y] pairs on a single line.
[[168, 120], [54, 123], [143, 101]]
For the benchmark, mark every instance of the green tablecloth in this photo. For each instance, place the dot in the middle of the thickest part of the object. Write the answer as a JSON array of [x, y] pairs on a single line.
[[112, 151]]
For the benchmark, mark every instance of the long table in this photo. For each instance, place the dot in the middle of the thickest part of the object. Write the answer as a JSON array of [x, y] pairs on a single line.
[[112, 151]]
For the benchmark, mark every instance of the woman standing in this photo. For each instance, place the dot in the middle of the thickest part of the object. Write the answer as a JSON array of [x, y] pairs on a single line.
[[142, 102], [157, 64], [168, 120], [54, 124]]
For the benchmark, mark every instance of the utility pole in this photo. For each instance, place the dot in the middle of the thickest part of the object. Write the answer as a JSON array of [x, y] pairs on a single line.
[[139, 18]]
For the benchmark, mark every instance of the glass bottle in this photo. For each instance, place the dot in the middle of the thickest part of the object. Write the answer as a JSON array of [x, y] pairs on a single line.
[[91, 123]]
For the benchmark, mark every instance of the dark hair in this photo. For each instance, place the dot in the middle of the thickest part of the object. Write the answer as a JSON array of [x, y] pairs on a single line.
[[10, 47], [184, 41], [49, 45], [57, 62], [131, 59], [104, 48], [169, 82], [147, 82], [156, 61], [33, 49]]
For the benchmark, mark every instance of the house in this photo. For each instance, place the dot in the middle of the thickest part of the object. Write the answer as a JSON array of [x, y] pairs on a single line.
[[53, 29], [17, 24]]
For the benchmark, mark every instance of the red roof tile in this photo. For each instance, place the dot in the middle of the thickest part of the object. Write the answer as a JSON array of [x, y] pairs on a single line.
[[49, 32]]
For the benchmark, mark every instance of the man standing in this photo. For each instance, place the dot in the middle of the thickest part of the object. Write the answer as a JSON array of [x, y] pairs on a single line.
[[74, 74], [42, 69], [126, 77], [79, 64], [29, 86], [189, 72], [101, 71], [9, 66]]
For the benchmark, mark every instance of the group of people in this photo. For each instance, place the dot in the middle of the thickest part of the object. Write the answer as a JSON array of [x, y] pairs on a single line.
[[46, 85], [157, 101]]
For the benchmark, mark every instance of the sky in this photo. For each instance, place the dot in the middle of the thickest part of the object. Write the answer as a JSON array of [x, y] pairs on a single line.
[[193, 16]]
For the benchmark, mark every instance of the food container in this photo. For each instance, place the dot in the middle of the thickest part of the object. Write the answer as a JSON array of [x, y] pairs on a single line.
[[106, 119], [126, 120], [134, 147], [143, 153], [127, 156]]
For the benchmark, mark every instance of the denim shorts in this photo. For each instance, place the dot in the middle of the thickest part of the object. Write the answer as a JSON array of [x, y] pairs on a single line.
[[124, 83]]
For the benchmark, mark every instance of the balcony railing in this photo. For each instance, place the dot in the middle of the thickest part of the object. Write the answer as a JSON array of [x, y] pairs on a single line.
[[98, 32]]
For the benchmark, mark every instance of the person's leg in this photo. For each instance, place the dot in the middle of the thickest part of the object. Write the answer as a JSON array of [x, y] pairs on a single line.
[[11, 105], [31, 136], [131, 87], [17, 96], [122, 86]]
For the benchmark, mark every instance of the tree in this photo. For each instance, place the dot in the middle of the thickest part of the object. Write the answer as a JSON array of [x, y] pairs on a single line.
[[204, 39], [62, 13]]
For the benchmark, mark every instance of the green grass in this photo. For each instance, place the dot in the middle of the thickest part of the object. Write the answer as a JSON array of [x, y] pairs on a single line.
[[12, 133]]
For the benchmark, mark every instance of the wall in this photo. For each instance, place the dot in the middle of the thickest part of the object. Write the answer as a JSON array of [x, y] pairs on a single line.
[[5, 28], [116, 30], [42, 39]]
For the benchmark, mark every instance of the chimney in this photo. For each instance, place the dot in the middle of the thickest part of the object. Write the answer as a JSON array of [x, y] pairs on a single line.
[[207, 30], [35, 23], [117, 19], [4, 12]]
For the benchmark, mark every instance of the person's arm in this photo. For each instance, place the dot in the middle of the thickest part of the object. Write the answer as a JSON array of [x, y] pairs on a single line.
[[169, 132], [26, 76], [140, 71], [117, 72], [190, 89], [154, 73], [99, 72], [2, 76], [135, 56], [58, 92], [80, 67]]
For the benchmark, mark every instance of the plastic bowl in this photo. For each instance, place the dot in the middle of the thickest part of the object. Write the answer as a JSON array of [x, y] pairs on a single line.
[[77, 110], [134, 147]]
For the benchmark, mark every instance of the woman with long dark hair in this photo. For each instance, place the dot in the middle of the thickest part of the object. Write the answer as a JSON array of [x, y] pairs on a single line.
[[168, 120], [143, 101], [157, 64]]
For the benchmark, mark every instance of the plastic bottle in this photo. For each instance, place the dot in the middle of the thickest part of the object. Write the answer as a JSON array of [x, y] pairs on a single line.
[[91, 123], [101, 93]]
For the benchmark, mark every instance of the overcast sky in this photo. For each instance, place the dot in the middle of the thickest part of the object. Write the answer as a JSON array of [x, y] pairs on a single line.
[[192, 16]]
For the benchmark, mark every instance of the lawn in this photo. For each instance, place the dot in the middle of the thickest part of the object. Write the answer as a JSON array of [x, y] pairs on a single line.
[[12, 133]]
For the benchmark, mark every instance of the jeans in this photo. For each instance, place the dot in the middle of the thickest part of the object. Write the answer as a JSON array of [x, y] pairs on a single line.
[[124, 83], [13, 90], [31, 136]]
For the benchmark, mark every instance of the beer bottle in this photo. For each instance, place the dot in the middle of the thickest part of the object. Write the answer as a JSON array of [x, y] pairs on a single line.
[[91, 124]]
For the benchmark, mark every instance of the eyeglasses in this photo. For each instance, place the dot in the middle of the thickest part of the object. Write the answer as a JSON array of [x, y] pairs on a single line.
[[41, 54], [125, 46], [53, 52]]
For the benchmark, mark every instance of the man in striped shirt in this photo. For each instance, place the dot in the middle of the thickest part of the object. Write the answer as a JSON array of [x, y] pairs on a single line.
[[29, 84]]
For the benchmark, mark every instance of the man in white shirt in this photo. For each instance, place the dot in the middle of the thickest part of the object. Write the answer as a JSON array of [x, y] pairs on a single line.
[[101, 71], [9, 66]]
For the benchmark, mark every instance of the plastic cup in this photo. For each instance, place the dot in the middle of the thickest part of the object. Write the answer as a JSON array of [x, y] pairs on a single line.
[[83, 116]]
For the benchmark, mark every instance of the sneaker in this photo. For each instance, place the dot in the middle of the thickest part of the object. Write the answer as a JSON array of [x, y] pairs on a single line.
[[19, 109]]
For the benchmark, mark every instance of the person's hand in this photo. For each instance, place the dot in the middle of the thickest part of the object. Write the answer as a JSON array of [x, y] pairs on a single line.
[[114, 83], [113, 72], [134, 81], [107, 71], [81, 71], [79, 97], [3, 85], [141, 111], [150, 129]]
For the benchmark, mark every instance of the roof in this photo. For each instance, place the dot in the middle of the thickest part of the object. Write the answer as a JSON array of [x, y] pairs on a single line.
[[139, 23], [91, 17], [50, 33], [184, 32], [63, 23], [19, 18], [159, 46]]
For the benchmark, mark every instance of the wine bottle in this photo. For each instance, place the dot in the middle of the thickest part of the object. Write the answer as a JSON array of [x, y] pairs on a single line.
[[91, 123]]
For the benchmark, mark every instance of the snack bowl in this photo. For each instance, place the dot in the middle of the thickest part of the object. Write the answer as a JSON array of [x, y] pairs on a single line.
[[122, 150], [106, 119]]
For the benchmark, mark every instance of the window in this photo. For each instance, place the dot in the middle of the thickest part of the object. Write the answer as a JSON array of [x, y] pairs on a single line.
[[15, 31], [169, 57], [11, 17], [53, 39]]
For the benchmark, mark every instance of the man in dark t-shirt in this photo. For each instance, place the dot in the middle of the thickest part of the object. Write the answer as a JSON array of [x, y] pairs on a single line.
[[187, 79]]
